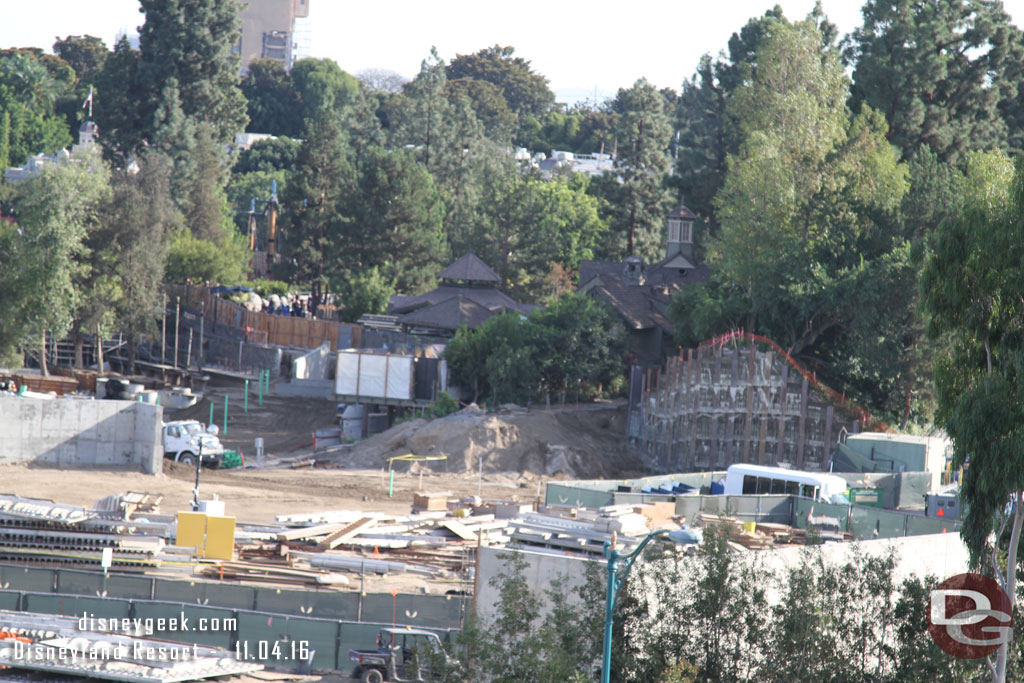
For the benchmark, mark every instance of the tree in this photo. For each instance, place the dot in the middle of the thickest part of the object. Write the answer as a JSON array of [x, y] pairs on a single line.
[[577, 345], [190, 258], [938, 71], [190, 42], [364, 292], [274, 104], [322, 86], [28, 92], [203, 201], [85, 54], [971, 288], [382, 80], [117, 102], [525, 91], [643, 135], [274, 154], [5, 139], [807, 252], [705, 137], [488, 104], [395, 223], [312, 211], [140, 218], [54, 212], [528, 224], [447, 139]]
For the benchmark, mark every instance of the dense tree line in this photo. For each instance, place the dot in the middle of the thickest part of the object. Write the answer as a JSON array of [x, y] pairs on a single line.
[[820, 167], [714, 615]]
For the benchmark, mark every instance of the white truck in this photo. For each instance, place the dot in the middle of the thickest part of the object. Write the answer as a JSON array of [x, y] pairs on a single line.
[[184, 440]]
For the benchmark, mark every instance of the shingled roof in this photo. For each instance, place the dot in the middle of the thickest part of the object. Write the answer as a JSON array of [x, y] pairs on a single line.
[[491, 299], [470, 268], [450, 314]]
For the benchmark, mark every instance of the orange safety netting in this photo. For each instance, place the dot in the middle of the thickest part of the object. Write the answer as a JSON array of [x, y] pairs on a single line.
[[869, 422]]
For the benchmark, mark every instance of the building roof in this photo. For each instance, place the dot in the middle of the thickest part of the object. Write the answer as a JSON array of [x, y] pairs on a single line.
[[487, 297], [471, 269], [450, 314], [641, 307], [675, 271], [682, 212]]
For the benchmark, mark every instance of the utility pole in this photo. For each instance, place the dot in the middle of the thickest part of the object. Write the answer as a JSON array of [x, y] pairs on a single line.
[[163, 337], [202, 320], [177, 325]]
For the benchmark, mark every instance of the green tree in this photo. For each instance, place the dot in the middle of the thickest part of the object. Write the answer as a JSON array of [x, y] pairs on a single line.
[[322, 86], [937, 71], [275, 154], [489, 106], [5, 139], [576, 345], [203, 201], [970, 288], [116, 102], [525, 92], [312, 216], [274, 104], [190, 42], [55, 211], [85, 54], [29, 89], [528, 224], [138, 223], [643, 135], [705, 135], [190, 258], [364, 292], [447, 139], [808, 252], [396, 223]]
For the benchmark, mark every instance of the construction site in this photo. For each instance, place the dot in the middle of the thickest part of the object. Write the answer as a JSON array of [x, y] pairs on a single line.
[[323, 524]]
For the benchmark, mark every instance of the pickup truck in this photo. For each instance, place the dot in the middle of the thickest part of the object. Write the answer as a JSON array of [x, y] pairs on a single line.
[[184, 440], [403, 655]]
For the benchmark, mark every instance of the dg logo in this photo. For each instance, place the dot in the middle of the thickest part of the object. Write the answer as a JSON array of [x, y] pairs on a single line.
[[970, 616]]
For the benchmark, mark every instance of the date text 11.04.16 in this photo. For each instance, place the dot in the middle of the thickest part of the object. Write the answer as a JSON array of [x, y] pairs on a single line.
[[295, 650]]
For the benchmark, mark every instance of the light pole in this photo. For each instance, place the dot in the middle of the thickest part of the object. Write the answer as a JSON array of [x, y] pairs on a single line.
[[680, 536]]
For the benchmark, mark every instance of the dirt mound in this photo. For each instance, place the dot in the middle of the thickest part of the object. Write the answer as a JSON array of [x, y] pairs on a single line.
[[585, 443]]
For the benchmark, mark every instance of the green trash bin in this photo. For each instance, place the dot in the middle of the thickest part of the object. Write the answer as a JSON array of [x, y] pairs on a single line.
[[231, 459]]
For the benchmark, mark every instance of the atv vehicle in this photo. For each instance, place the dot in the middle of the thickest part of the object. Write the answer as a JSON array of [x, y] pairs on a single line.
[[403, 655]]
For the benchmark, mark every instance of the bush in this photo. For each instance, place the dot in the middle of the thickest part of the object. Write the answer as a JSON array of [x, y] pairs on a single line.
[[444, 405]]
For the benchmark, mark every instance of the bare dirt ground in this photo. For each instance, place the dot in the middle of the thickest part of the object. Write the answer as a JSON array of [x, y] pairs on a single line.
[[519, 451]]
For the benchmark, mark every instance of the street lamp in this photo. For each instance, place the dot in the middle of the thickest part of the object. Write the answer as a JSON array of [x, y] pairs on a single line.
[[680, 536]]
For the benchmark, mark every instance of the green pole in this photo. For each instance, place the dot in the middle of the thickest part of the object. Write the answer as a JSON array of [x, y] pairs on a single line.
[[391, 484], [246, 401], [211, 413], [261, 388], [225, 413]]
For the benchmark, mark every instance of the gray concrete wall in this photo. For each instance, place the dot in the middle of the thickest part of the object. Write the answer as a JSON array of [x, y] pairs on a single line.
[[941, 555], [315, 365], [77, 433]]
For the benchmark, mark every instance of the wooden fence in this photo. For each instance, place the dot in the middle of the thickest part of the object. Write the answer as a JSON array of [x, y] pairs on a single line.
[[281, 330]]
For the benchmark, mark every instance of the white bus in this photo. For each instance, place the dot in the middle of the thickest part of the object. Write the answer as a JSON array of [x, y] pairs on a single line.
[[755, 479]]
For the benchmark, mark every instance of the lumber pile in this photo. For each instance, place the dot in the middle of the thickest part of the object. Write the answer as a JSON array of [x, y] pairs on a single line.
[[760, 535]]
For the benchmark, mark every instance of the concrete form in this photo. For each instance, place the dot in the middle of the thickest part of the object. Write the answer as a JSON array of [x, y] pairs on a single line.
[[81, 433], [719, 406]]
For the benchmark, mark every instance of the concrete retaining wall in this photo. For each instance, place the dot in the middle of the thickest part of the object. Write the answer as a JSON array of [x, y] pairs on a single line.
[[79, 433], [315, 365], [940, 555]]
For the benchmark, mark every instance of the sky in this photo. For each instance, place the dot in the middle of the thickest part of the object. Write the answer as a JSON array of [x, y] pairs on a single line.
[[583, 48]]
